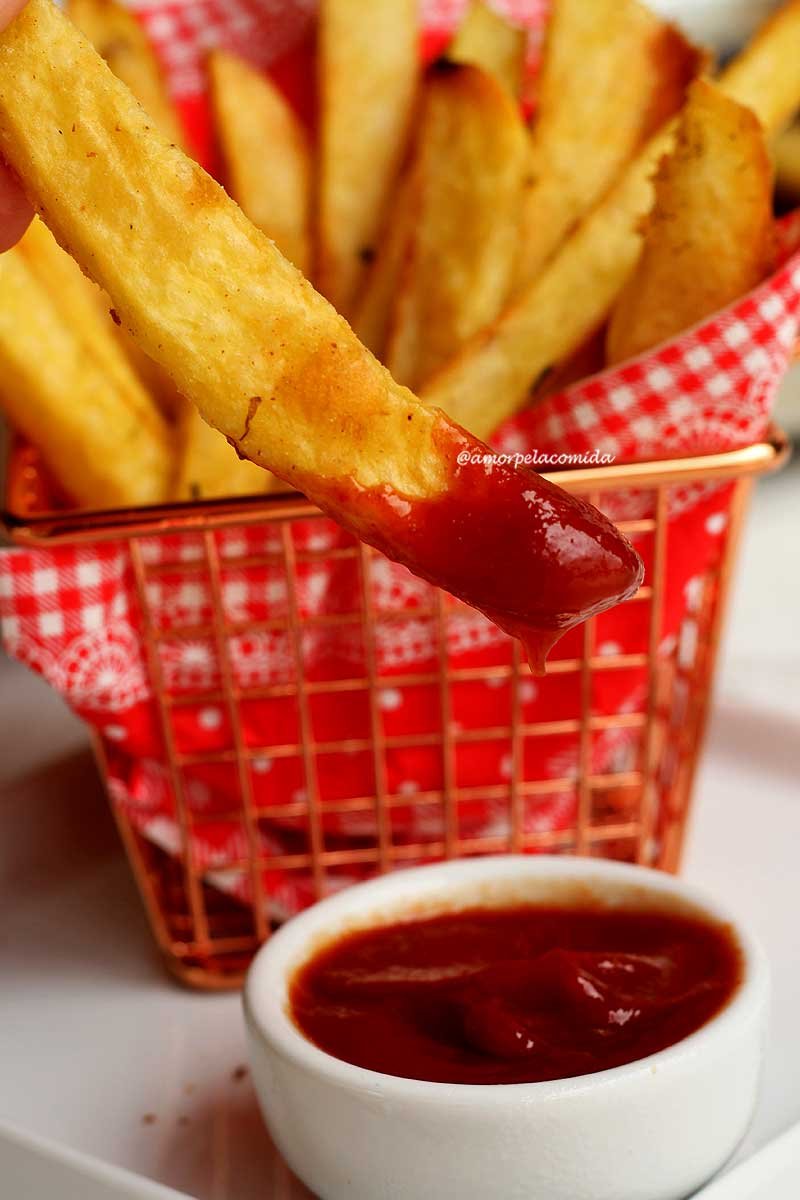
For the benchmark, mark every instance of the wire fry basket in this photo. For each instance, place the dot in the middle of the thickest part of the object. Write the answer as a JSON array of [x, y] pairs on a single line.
[[632, 803]]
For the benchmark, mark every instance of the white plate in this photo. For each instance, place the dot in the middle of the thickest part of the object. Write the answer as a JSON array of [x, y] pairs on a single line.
[[34, 1169], [772, 1174]]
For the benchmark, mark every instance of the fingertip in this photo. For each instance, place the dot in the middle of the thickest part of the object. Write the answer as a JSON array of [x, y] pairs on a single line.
[[16, 212], [9, 9], [12, 230]]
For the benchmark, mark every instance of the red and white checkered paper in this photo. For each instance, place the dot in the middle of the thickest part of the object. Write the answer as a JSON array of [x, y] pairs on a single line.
[[72, 614]]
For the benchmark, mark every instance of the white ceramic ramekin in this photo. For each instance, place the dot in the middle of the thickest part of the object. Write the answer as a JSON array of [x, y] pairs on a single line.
[[651, 1130]]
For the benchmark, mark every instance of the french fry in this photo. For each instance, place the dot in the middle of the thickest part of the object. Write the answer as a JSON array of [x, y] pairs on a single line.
[[710, 236], [266, 153], [82, 304], [588, 359], [153, 377], [207, 466], [372, 318], [273, 366], [119, 38], [766, 75], [368, 62], [471, 157], [787, 164], [102, 450], [268, 161], [613, 73], [501, 368], [487, 40], [210, 468]]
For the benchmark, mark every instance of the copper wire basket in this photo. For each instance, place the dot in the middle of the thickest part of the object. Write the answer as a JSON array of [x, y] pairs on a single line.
[[638, 813]]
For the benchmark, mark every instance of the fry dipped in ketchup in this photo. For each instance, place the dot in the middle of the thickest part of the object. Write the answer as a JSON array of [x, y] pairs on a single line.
[[534, 559]]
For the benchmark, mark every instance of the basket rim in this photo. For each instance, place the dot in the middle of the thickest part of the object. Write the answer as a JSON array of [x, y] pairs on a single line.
[[80, 526]]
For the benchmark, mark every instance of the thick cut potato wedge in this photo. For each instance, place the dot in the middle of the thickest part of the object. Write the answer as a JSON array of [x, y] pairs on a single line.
[[266, 153], [153, 377], [471, 158], [207, 466], [766, 75], [613, 73], [210, 468], [83, 305], [119, 38], [501, 369], [710, 236], [368, 71], [373, 314], [102, 450], [487, 40], [116, 35], [271, 364]]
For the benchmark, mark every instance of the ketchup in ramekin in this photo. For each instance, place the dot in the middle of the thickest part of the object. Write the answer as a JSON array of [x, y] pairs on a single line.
[[515, 995]]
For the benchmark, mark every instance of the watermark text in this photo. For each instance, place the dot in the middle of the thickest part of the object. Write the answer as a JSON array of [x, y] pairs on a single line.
[[535, 458]]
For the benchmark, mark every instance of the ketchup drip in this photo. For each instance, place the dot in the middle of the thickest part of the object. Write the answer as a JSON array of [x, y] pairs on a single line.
[[515, 995], [532, 558]]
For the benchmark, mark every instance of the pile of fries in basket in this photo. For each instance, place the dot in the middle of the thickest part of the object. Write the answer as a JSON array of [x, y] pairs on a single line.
[[490, 241], [486, 261]]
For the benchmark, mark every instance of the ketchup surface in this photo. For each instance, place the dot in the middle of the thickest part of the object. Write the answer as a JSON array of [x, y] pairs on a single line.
[[515, 995]]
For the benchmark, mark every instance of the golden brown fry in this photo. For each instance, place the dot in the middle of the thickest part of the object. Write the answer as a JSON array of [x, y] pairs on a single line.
[[88, 309], [368, 71], [471, 158], [153, 377], [787, 164], [371, 320], [266, 153], [210, 468], [103, 451], [119, 38], [499, 370], [82, 304], [117, 35], [766, 75], [488, 40], [710, 236], [613, 73]]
